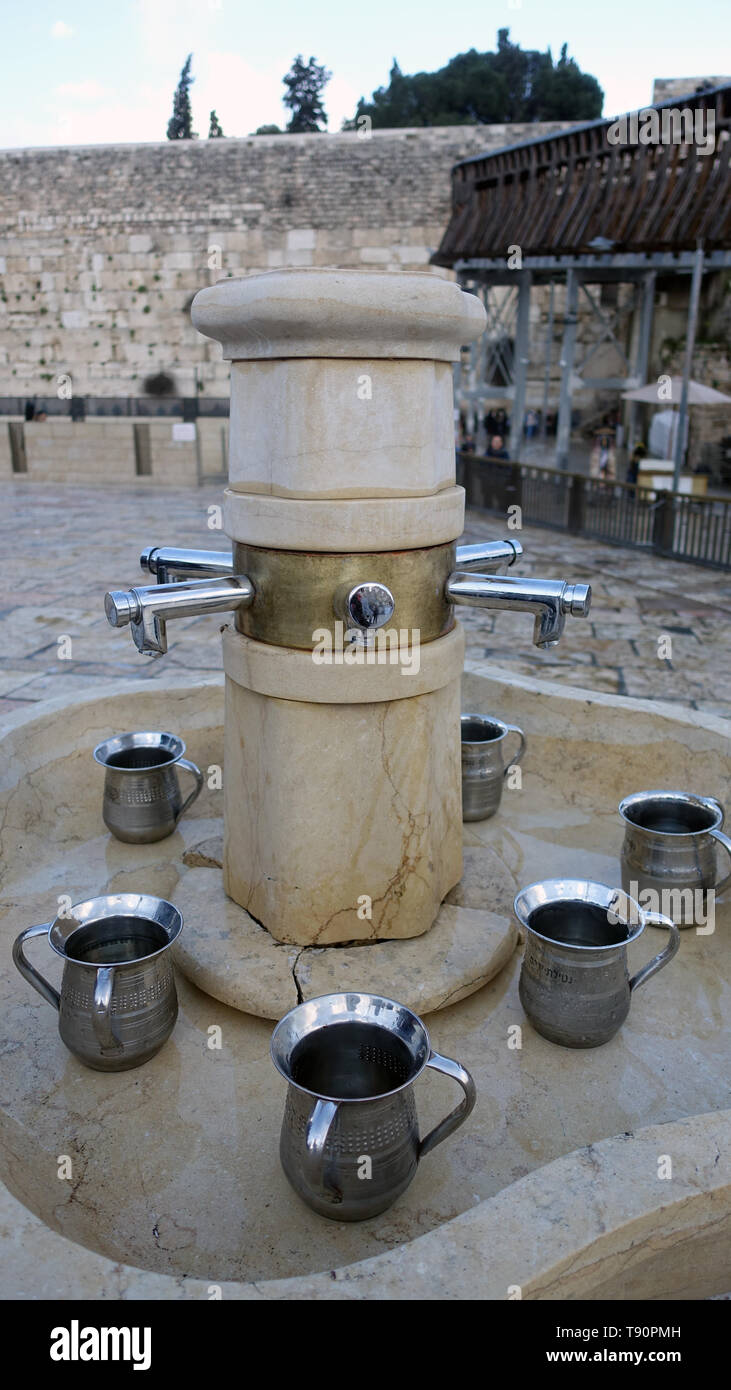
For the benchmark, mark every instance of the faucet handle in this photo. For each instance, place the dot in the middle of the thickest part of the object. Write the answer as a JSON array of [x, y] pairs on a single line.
[[120, 607], [149, 632], [364, 607], [576, 600]]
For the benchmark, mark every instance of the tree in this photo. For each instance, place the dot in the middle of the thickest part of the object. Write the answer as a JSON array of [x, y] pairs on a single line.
[[511, 84], [180, 125], [305, 83], [268, 130], [215, 131], [566, 88]]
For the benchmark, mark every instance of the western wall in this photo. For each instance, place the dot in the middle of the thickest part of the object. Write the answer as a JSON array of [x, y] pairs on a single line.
[[103, 247]]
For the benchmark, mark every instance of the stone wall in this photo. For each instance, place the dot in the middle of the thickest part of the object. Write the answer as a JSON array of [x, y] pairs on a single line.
[[667, 88], [103, 247]]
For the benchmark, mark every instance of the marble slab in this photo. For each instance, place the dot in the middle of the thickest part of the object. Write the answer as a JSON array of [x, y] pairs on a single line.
[[230, 956]]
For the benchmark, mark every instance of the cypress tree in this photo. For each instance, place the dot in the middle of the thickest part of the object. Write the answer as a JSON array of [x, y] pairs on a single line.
[[180, 125]]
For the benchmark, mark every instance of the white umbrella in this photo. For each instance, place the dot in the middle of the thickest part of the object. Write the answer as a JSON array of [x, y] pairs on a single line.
[[658, 394]]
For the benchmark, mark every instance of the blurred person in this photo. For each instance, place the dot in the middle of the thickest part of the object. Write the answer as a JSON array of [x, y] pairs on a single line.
[[496, 448], [633, 466]]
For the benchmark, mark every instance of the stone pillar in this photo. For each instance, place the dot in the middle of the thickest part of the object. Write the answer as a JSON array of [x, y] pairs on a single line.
[[342, 763]]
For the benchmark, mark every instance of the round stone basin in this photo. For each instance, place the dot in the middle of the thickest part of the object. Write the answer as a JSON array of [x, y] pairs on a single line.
[[174, 1166]]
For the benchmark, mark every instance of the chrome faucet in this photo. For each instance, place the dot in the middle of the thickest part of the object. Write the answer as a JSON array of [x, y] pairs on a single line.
[[148, 609], [363, 607], [550, 599], [167, 561], [488, 557]]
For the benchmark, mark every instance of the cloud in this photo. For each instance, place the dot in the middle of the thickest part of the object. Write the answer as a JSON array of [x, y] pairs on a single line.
[[340, 99], [59, 30], [84, 93], [175, 28], [245, 96], [242, 95], [110, 120]]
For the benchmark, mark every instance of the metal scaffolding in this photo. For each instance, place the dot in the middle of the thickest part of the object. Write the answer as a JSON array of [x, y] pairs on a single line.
[[590, 205], [499, 362]]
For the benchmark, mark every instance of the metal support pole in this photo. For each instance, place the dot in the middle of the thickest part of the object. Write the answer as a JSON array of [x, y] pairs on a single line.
[[520, 363], [642, 352], [695, 295], [548, 350], [568, 347]]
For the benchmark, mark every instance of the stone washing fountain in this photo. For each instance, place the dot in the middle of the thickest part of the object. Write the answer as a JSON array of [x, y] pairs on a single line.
[[340, 862], [343, 659]]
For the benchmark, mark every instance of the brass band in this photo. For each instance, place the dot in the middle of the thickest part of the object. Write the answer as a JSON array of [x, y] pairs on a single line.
[[294, 590]]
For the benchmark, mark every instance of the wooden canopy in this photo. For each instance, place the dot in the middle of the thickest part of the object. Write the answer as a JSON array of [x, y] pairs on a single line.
[[656, 181]]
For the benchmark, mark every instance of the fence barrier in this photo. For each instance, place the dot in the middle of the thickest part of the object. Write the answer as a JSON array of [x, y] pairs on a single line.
[[677, 525]]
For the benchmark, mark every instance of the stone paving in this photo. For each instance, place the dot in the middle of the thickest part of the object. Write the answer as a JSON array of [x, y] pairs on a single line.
[[658, 629]]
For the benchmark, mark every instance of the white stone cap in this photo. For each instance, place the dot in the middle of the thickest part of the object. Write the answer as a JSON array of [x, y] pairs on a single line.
[[338, 313]]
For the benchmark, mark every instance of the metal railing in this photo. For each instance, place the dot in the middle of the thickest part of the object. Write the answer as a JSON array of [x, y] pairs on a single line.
[[676, 525], [177, 407]]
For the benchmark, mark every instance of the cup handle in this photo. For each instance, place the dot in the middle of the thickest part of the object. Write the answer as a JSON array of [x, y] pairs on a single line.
[[318, 1129], [722, 840], [456, 1116], [657, 919], [29, 971], [101, 1010], [513, 729], [715, 805], [190, 767]]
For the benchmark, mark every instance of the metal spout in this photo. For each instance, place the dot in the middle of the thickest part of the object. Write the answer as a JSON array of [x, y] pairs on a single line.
[[489, 556], [167, 561], [147, 610], [550, 599]]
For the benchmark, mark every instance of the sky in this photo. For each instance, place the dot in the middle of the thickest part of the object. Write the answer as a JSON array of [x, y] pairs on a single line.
[[81, 72]]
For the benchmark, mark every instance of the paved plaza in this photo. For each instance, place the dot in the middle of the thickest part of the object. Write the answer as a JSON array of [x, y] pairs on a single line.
[[658, 629]]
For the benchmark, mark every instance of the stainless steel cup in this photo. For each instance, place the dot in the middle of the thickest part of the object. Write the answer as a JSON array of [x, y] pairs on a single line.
[[117, 1004], [350, 1136], [574, 983], [485, 763], [670, 840], [142, 797]]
